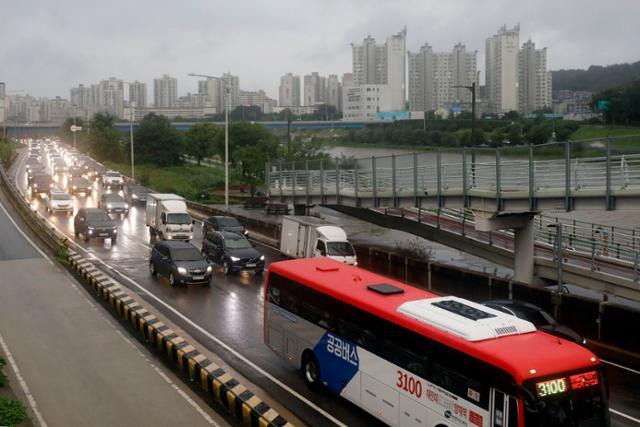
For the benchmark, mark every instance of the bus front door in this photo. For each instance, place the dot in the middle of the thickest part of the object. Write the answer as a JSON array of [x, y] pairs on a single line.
[[504, 409]]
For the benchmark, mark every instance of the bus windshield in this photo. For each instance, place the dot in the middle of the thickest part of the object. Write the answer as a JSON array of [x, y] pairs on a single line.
[[571, 404]]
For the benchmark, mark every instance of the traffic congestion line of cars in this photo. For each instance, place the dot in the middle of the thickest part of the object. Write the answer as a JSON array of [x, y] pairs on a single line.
[[224, 239]]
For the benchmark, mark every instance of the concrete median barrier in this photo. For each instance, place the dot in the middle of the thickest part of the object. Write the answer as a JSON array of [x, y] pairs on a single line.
[[214, 381]]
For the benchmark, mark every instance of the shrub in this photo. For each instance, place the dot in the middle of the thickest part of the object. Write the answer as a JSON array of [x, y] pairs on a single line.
[[12, 412]]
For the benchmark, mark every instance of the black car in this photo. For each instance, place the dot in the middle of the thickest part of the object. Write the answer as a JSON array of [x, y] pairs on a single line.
[[75, 172], [542, 320], [223, 223], [41, 184], [180, 262], [233, 251], [33, 171], [94, 223], [79, 185], [136, 193], [113, 203]]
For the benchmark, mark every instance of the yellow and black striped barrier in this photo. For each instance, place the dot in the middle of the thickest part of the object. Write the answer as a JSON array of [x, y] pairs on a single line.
[[212, 379]]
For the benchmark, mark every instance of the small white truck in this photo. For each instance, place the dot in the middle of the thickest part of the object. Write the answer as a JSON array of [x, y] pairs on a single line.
[[310, 237], [167, 217]]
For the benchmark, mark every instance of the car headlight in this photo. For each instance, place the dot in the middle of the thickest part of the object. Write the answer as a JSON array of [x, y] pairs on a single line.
[[209, 269], [246, 233], [135, 196], [75, 187], [109, 206], [126, 205], [261, 257], [115, 230], [235, 259], [182, 270], [90, 230]]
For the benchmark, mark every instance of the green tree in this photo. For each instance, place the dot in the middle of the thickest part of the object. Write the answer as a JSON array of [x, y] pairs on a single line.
[[104, 142], [157, 141], [252, 158], [200, 140], [251, 113]]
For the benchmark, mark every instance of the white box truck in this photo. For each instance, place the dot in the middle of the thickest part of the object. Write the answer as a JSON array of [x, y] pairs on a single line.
[[167, 217], [310, 237]]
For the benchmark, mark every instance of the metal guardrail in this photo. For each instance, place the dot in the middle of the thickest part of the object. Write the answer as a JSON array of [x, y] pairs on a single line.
[[32, 218], [602, 166], [592, 242]]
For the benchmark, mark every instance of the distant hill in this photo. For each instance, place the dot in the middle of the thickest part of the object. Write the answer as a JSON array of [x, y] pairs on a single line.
[[596, 78]]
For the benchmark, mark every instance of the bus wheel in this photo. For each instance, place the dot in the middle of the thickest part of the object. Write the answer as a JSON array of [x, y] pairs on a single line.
[[311, 370]]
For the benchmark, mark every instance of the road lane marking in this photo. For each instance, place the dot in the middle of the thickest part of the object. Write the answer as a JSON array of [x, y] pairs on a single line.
[[221, 343], [629, 417], [620, 366], [23, 383]]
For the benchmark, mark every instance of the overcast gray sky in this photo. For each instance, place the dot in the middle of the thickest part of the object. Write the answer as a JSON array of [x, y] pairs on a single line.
[[49, 46]]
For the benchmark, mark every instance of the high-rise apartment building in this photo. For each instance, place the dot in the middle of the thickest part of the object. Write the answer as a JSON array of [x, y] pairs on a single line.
[[3, 90], [3, 103], [314, 89], [165, 92], [347, 80], [232, 96], [257, 98], [111, 97], [138, 94], [289, 93], [433, 78], [534, 81], [375, 64], [502, 70], [211, 89], [334, 92]]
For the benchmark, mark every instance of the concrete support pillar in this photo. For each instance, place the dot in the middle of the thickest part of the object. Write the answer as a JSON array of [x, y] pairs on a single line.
[[523, 252], [523, 226]]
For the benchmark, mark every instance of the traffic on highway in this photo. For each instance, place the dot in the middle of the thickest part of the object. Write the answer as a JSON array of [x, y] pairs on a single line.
[[375, 352]]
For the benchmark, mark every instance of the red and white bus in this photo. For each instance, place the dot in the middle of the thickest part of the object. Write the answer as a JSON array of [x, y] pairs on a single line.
[[413, 358]]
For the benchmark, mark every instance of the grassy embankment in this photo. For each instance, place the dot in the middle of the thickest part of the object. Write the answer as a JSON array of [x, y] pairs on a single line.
[[189, 181]]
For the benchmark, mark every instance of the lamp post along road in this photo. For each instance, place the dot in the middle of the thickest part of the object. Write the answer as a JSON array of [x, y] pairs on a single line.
[[131, 117], [226, 131], [472, 88]]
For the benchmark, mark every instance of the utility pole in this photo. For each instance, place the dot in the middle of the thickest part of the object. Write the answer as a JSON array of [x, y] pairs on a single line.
[[226, 131], [226, 144], [472, 88]]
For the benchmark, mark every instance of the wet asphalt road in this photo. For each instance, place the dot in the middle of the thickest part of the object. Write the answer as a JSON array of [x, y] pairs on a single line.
[[231, 310]]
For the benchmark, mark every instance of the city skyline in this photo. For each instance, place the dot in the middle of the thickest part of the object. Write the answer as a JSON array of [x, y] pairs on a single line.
[[52, 51]]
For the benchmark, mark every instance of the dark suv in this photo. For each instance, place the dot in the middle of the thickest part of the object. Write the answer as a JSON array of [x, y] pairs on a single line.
[[180, 262], [94, 223], [136, 193], [80, 185], [41, 184], [223, 223], [542, 320], [233, 251]]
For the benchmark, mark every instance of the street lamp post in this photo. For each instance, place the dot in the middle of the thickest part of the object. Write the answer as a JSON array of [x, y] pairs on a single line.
[[226, 144], [226, 132], [131, 117], [472, 88], [75, 113]]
